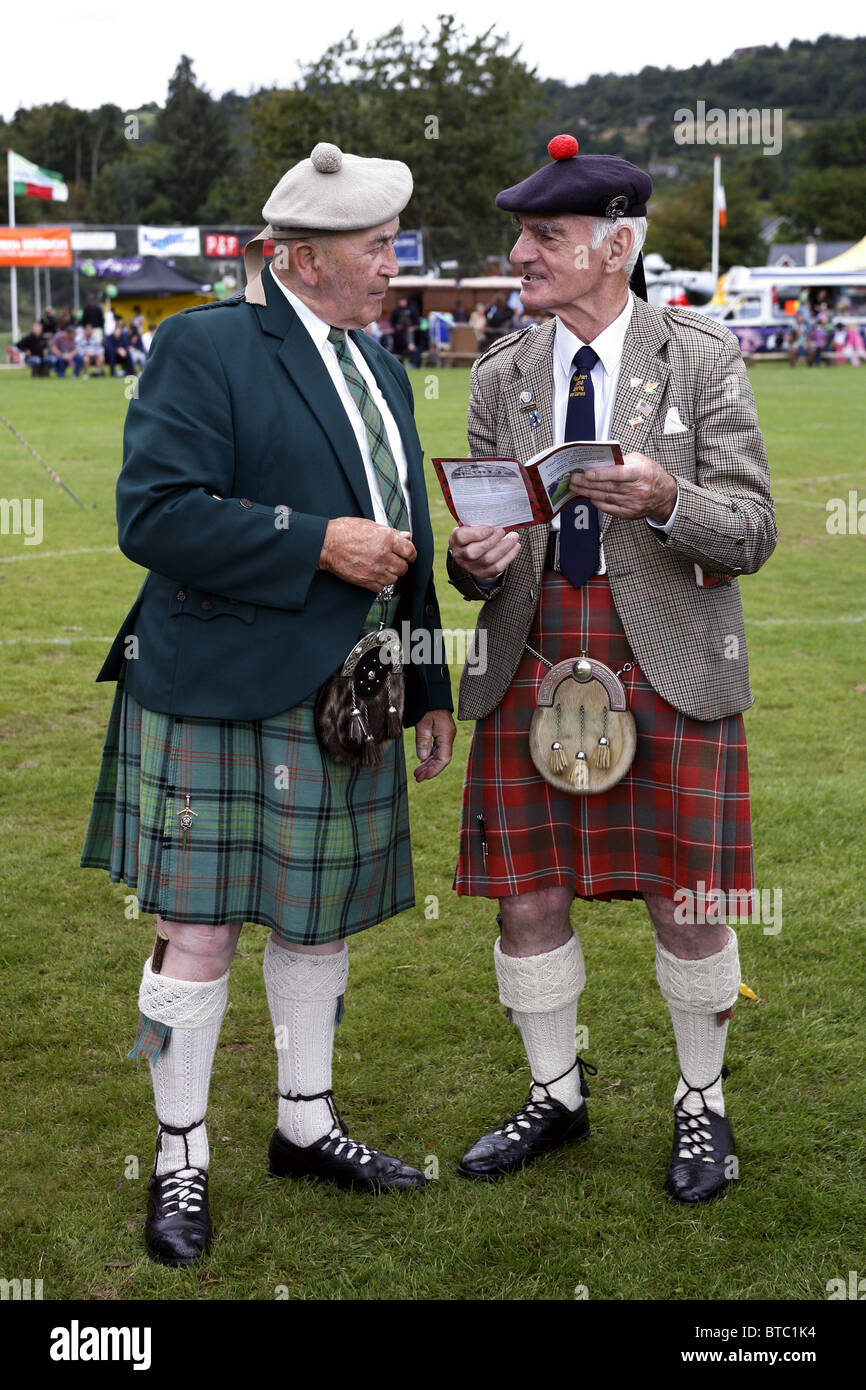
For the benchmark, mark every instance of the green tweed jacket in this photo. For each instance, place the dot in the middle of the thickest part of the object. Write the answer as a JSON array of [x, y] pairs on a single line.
[[688, 639], [237, 453]]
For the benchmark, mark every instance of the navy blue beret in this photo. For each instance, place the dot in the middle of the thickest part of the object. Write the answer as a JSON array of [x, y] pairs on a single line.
[[594, 185]]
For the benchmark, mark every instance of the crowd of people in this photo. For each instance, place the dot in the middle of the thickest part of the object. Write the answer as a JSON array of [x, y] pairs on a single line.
[[98, 342], [406, 331], [819, 340]]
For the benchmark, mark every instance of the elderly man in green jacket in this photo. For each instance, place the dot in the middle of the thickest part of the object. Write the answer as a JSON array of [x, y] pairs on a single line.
[[272, 485]]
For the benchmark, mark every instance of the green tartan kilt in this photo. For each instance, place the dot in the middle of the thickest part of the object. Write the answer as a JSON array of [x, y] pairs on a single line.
[[282, 836]]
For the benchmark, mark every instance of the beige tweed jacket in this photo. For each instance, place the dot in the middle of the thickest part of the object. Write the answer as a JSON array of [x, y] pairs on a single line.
[[689, 640]]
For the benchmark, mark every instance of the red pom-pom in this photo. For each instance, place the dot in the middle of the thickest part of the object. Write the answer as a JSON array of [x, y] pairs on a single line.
[[562, 147]]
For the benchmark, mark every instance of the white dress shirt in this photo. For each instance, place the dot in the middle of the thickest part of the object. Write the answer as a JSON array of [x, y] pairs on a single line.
[[318, 331], [604, 375]]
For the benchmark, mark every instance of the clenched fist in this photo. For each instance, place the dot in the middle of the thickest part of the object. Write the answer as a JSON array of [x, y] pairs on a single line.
[[365, 552]]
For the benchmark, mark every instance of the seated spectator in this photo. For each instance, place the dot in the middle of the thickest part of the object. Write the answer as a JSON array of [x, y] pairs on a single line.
[[137, 350], [65, 351], [797, 340], [819, 336], [852, 344], [460, 315], [92, 314], [89, 348], [401, 329], [478, 322], [117, 351], [35, 347], [386, 335], [499, 318], [137, 318], [49, 322]]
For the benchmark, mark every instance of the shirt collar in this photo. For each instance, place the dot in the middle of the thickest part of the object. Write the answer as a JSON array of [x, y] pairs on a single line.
[[316, 327], [608, 344]]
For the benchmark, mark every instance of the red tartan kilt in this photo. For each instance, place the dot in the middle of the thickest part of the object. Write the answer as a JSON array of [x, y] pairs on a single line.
[[679, 819]]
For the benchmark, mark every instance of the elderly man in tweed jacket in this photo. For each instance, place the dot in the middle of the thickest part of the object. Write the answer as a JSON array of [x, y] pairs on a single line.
[[640, 571], [273, 486]]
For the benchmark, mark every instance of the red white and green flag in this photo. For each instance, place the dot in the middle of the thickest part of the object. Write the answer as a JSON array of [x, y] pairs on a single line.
[[31, 181]]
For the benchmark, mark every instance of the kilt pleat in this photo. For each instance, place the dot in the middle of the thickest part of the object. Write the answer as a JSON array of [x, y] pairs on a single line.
[[679, 819], [283, 835]]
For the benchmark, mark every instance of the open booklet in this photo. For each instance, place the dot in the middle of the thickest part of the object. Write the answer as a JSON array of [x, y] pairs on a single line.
[[507, 493]]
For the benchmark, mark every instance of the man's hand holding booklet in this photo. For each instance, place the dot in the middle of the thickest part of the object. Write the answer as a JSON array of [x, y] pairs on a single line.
[[506, 493]]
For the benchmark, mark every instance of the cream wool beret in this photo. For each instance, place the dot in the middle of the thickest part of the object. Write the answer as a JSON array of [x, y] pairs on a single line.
[[329, 192]]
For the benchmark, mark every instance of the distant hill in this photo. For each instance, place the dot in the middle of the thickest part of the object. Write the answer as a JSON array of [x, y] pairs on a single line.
[[811, 82]]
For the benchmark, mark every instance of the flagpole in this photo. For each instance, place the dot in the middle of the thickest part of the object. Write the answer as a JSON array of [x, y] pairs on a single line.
[[717, 179], [13, 271]]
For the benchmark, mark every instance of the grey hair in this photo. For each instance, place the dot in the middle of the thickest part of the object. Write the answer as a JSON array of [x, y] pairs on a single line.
[[604, 227]]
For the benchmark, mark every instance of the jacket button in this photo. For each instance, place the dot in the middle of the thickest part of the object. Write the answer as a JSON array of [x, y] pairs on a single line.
[[181, 595], [740, 540], [245, 502], [443, 671], [429, 610], [207, 605]]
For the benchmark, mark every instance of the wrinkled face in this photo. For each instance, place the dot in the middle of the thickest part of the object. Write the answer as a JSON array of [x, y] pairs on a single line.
[[356, 270], [558, 263]]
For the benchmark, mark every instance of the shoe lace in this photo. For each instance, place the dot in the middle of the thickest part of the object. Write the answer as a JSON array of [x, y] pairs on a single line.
[[692, 1135], [534, 1109], [182, 1191], [337, 1139]]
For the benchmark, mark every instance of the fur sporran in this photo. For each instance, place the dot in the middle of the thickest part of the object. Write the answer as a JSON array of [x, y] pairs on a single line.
[[359, 711], [583, 736]]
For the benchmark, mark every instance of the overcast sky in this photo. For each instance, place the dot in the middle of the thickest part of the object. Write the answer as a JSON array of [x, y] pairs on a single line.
[[100, 51]]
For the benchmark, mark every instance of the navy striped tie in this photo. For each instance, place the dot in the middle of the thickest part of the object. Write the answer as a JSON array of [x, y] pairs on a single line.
[[579, 541]]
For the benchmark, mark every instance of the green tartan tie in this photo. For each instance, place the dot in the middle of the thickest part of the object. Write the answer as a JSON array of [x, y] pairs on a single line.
[[380, 451]]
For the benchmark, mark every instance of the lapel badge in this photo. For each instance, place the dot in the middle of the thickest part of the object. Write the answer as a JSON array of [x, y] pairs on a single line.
[[526, 398], [650, 387], [534, 418], [186, 816], [644, 408], [635, 421], [635, 382]]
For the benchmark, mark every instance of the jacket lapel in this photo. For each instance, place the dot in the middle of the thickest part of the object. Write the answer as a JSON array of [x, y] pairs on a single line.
[[299, 356], [533, 372], [643, 364]]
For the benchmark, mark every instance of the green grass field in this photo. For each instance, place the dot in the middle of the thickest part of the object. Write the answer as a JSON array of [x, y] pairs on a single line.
[[425, 1059]]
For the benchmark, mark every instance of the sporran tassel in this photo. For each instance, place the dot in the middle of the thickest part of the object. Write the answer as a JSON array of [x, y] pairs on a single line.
[[558, 760], [602, 753], [356, 727], [393, 724], [579, 775], [372, 753]]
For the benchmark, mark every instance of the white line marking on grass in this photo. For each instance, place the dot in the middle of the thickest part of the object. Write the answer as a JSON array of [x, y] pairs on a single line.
[[803, 622], [60, 554], [822, 478], [799, 502], [50, 641]]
